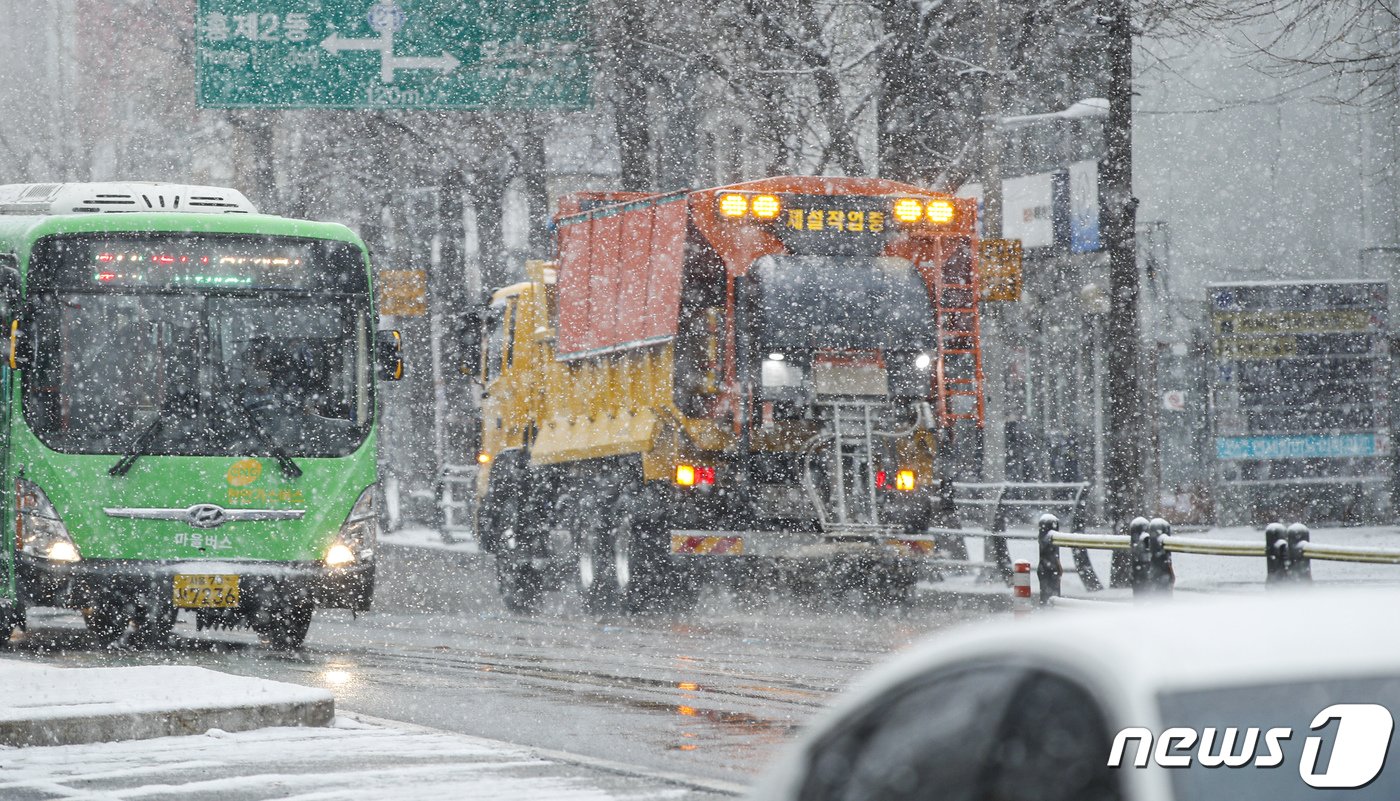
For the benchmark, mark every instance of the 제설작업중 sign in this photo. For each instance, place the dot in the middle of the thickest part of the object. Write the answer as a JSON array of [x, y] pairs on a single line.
[[405, 54]]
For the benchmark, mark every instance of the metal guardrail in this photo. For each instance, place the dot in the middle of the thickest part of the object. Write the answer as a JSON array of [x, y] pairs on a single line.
[[1288, 553], [1003, 499]]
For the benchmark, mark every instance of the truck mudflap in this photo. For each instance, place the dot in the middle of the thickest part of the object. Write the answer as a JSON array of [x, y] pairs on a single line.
[[890, 542]]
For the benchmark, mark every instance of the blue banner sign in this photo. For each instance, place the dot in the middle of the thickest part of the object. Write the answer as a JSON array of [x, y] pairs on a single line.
[[1337, 446]]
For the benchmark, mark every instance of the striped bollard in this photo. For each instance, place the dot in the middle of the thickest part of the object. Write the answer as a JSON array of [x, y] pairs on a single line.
[[1021, 603]]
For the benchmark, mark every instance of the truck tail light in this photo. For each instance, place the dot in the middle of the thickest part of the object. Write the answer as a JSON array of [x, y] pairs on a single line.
[[904, 480], [689, 475]]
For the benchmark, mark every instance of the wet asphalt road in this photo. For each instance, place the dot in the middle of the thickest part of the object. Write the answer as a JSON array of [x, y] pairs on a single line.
[[711, 694]]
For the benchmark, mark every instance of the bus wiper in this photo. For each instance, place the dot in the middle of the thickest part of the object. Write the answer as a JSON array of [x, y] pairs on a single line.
[[138, 445], [288, 467], [284, 462]]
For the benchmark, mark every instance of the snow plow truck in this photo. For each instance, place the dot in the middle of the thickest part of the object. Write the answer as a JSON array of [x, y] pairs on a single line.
[[761, 381]]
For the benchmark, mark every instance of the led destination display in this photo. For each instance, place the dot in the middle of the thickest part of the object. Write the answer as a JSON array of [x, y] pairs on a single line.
[[156, 261]]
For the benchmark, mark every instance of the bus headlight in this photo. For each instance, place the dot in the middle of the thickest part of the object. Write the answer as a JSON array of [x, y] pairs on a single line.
[[359, 533], [39, 531], [339, 555]]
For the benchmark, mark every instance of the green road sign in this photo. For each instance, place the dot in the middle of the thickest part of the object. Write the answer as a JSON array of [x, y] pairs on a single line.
[[409, 54]]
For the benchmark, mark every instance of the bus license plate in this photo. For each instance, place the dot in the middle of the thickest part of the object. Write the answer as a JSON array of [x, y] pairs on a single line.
[[203, 592]]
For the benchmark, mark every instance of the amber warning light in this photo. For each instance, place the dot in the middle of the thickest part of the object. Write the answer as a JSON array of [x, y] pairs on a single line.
[[762, 207], [913, 210]]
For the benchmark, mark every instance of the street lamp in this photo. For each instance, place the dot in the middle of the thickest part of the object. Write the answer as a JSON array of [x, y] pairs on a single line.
[[1088, 108]]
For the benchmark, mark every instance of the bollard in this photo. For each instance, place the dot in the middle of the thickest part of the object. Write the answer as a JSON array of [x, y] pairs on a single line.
[[1275, 554], [1139, 557], [1049, 570], [1163, 574], [1299, 565], [1151, 563], [1021, 588]]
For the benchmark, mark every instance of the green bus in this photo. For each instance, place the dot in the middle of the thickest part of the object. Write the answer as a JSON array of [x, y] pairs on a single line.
[[190, 411]]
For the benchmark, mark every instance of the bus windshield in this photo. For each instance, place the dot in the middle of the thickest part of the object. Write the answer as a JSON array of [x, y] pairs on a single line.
[[227, 369]]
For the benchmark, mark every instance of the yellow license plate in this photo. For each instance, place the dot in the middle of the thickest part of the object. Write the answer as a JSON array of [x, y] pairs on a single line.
[[202, 592]]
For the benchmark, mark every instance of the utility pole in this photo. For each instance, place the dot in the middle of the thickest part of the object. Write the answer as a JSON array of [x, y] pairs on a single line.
[[991, 121], [1126, 418], [989, 458]]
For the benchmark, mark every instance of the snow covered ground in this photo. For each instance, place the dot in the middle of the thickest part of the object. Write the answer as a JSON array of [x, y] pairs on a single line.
[[415, 536], [110, 718], [353, 760], [46, 705]]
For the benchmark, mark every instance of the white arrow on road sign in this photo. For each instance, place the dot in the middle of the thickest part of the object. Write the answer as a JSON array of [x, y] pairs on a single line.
[[334, 44], [388, 62], [445, 62]]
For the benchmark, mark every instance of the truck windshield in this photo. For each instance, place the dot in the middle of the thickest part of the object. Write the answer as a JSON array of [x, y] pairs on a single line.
[[856, 303], [228, 369]]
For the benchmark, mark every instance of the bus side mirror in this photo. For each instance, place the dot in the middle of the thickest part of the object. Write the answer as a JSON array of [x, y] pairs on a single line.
[[9, 288], [18, 349], [388, 355]]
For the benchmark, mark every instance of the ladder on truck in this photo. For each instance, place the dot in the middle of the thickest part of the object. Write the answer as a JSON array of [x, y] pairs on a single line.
[[959, 376], [850, 505]]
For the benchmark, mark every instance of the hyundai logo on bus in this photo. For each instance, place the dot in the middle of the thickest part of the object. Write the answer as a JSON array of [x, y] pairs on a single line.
[[1359, 744], [206, 515]]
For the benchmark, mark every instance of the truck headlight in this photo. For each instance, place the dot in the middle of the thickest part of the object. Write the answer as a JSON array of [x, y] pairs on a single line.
[[359, 533], [39, 531]]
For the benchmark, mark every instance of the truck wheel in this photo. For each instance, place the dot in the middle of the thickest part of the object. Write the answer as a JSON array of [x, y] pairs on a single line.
[[647, 579], [521, 585], [597, 585], [497, 518], [105, 623]]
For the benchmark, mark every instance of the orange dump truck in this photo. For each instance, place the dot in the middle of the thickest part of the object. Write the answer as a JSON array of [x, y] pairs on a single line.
[[760, 381]]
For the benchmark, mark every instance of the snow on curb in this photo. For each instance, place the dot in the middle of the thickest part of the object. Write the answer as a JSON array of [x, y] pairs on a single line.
[[46, 705]]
